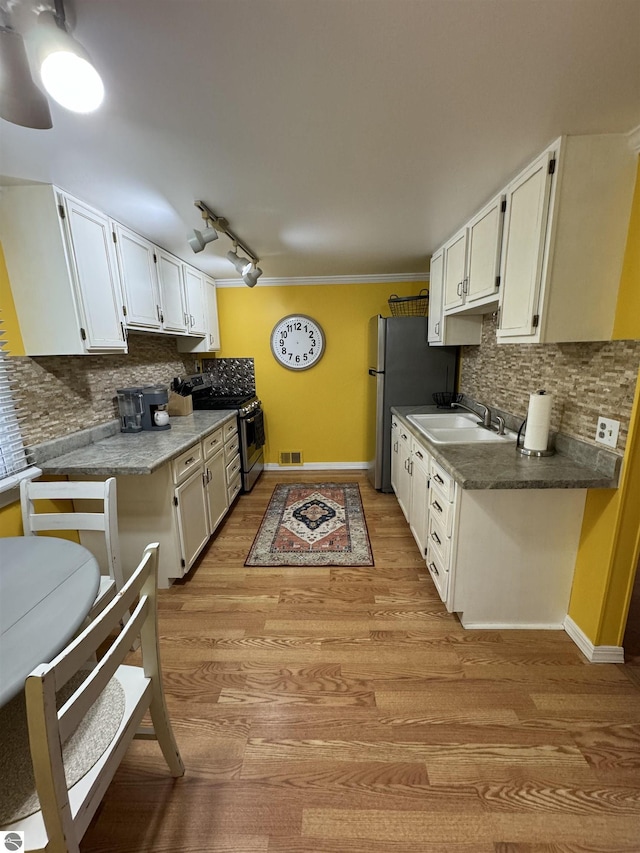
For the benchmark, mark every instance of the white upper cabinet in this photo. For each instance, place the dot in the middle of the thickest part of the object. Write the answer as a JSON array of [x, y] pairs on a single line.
[[472, 262], [447, 330], [455, 270], [211, 340], [195, 301], [564, 240], [137, 263], [174, 313], [63, 272]]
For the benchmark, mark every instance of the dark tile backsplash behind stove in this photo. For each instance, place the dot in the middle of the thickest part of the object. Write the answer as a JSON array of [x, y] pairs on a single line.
[[231, 376]]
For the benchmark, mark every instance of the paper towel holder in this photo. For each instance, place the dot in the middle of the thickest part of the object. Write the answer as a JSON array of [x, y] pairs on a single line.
[[532, 454]]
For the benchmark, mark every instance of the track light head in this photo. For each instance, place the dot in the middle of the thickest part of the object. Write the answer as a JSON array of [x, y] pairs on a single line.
[[242, 265], [65, 68], [199, 239], [250, 278]]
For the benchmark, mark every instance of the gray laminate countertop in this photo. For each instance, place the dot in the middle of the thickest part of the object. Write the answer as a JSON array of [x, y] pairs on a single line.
[[136, 453], [577, 465]]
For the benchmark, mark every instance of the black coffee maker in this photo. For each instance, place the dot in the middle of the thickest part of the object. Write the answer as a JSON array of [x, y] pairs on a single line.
[[155, 407]]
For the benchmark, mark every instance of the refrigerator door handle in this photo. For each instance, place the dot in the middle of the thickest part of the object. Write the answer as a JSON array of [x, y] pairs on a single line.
[[373, 372]]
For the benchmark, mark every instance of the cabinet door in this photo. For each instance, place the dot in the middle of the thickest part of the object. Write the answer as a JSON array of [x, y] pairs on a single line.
[[404, 473], [192, 517], [94, 266], [483, 264], [419, 513], [216, 489], [455, 258], [171, 293], [137, 262], [213, 327], [195, 301], [523, 248], [435, 297]]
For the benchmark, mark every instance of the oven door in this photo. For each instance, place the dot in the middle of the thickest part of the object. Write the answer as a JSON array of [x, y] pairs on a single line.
[[252, 438]]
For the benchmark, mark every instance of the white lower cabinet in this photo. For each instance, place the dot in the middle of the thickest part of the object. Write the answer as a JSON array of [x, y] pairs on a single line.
[[419, 503], [402, 485], [179, 505], [499, 558]]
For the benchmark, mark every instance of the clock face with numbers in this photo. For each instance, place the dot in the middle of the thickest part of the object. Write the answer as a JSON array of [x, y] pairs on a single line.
[[297, 342]]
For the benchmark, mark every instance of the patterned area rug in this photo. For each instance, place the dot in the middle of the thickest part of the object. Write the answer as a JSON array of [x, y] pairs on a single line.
[[313, 524]]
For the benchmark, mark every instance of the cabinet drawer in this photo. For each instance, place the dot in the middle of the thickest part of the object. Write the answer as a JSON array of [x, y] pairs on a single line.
[[186, 463], [212, 443], [231, 448], [438, 540], [230, 429], [441, 510], [443, 481], [234, 488], [420, 455], [233, 468], [438, 572]]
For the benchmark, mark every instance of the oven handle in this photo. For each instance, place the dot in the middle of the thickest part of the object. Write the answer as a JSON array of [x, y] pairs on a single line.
[[250, 420]]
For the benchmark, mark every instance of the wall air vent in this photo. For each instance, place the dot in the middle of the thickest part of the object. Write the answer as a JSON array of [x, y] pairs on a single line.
[[290, 457]]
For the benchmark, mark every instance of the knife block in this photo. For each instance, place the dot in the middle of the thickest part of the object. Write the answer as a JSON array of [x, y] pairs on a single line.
[[179, 406]]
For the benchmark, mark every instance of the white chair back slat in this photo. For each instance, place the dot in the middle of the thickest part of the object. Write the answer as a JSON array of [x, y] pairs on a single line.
[[67, 521], [77, 705], [69, 490]]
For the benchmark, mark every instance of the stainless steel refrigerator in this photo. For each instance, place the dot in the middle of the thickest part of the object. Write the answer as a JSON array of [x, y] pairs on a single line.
[[403, 371]]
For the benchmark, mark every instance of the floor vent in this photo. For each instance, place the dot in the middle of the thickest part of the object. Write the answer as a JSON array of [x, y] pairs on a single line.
[[291, 457]]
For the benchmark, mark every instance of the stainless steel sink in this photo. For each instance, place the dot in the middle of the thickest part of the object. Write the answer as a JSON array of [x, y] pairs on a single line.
[[457, 429]]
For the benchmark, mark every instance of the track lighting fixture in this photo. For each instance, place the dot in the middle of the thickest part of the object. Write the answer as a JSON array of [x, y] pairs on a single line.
[[49, 57], [250, 278], [199, 239], [247, 267], [242, 265], [65, 68]]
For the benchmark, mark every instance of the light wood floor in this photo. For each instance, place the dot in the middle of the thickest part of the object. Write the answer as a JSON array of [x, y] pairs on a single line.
[[345, 711]]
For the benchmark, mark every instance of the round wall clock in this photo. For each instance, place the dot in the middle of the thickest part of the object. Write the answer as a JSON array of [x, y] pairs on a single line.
[[297, 342]]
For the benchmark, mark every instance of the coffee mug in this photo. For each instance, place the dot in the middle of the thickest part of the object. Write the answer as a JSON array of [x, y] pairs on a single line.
[[161, 417]]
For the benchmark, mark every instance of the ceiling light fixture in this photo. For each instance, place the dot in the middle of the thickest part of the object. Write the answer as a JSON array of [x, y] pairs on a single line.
[[42, 54], [21, 102], [247, 267], [65, 68], [199, 239]]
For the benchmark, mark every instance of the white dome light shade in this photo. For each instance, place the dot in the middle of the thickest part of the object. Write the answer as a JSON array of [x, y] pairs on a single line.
[[72, 81]]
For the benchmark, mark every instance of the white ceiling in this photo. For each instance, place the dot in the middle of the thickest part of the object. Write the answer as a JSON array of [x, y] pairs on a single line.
[[338, 137]]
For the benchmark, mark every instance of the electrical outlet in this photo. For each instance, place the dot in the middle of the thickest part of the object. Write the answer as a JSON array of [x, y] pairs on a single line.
[[607, 431]]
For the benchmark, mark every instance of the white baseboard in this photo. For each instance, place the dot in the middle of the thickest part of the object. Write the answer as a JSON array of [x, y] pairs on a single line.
[[594, 654], [511, 626], [318, 466]]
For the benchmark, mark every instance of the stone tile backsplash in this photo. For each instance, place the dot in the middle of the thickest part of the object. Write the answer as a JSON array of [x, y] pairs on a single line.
[[62, 394], [586, 379]]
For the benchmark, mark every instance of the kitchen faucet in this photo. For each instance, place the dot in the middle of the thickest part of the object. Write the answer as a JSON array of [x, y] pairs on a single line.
[[487, 417]]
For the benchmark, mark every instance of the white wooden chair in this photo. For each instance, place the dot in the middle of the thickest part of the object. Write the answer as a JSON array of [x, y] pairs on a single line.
[[66, 813], [105, 520]]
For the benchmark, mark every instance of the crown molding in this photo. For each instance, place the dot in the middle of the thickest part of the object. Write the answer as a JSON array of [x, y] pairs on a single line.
[[634, 139], [399, 278]]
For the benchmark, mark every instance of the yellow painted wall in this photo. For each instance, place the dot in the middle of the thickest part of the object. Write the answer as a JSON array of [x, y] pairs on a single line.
[[12, 334], [610, 541], [320, 411]]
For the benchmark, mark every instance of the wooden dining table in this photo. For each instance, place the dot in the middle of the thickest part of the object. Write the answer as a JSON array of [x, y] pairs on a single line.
[[47, 587]]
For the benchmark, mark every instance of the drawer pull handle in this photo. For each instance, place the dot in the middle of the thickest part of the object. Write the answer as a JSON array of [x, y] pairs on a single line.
[[189, 461], [433, 568], [419, 455], [437, 506], [438, 479], [435, 537]]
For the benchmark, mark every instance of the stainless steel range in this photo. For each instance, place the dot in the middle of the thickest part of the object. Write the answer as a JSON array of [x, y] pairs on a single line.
[[250, 428]]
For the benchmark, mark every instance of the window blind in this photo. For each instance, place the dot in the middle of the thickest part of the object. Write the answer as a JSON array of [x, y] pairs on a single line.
[[13, 457]]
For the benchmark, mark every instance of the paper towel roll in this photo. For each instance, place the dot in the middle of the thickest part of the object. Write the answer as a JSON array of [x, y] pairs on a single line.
[[536, 436]]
